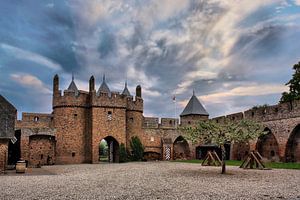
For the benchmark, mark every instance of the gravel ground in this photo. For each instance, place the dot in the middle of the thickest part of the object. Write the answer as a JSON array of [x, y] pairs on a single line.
[[151, 180]]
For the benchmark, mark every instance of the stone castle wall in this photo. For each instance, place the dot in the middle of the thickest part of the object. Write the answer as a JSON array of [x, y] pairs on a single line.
[[81, 119], [281, 120]]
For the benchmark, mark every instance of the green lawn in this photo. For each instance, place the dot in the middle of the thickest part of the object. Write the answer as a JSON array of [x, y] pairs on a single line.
[[277, 165]]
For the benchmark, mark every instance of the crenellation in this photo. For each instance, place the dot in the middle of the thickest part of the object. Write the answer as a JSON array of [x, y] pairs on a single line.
[[235, 116], [169, 123], [81, 119], [35, 120]]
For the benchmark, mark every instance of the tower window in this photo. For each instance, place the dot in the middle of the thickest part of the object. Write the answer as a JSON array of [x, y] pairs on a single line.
[[189, 122], [131, 119], [36, 118], [109, 115], [73, 154]]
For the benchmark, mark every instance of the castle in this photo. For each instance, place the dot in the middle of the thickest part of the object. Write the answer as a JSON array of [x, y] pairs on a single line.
[[81, 119]]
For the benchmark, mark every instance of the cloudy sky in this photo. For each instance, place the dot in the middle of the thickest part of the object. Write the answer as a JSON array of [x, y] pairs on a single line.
[[234, 53]]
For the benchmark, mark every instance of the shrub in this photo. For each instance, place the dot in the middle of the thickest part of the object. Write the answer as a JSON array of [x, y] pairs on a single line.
[[137, 149], [123, 153]]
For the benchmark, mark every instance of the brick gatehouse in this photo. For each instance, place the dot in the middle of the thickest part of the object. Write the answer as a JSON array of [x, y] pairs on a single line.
[[81, 119]]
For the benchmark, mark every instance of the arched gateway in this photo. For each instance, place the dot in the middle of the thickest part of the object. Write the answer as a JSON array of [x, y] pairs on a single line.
[[267, 146], [181, 149], [293, 146], [112, 151]]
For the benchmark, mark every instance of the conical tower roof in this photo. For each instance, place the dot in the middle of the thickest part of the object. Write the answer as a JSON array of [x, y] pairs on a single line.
[[72, 86], [126, 91], [103, 87], [194, 107]]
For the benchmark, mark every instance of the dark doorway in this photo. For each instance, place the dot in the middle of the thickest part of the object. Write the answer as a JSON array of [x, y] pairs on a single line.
[[152, 156], [14, 150], [202, 150], [109, 150], [181, 150], [267, 146], [293, 146]]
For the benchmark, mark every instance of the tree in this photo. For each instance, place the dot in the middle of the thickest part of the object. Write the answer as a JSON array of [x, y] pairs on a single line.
[[222, 133], [294, 85], [123, 153], [137, 149]]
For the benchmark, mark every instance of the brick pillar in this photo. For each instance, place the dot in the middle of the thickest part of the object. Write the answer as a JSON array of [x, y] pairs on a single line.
[[3, 154]]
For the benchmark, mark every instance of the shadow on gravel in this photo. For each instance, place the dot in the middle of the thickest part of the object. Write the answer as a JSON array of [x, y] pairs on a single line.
[[29, 172], [202, 172]]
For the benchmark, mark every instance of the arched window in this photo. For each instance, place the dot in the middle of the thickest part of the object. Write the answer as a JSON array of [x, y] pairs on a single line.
[[36, 118]]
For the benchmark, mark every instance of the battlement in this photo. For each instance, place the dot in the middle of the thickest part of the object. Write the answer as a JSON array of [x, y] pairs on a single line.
[[154, 122], [35, 120], [72, 97], [266, 113]]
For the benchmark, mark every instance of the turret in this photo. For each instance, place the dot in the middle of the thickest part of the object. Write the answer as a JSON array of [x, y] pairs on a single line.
[[138, 91], [193, 112], [72, 87], [55, 84], [103, 88], [126, 91], [92, 84]]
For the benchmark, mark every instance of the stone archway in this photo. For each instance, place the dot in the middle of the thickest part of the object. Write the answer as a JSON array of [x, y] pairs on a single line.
[[293, 146], [41, 150], [181, 150], [267, 146], [112, 149]]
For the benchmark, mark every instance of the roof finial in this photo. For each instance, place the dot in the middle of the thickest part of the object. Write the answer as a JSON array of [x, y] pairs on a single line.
[[103, 77], [72, 76], [193, 92]]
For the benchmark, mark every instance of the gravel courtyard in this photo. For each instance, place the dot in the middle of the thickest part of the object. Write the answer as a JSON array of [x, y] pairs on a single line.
[[150, 180]]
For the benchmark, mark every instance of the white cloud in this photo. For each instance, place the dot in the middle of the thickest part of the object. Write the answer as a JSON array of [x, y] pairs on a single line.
[[31, 56], [297, 2], [31, 82], [248, 90]]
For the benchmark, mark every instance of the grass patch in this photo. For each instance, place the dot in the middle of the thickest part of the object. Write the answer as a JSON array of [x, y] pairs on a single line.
[[274, 165]]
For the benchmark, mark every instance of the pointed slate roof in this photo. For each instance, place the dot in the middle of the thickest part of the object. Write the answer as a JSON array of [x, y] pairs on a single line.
[[194, 107], [103, 87], [126, 91], [72, 86]]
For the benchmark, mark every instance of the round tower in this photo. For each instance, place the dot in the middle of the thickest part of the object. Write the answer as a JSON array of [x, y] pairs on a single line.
[[70, 122], [134, 116]]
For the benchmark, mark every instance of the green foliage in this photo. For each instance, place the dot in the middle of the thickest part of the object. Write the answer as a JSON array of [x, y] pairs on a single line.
[[103, 147], [260, 106], [123, 154], [294, 85], [221, 133], [278, 165], [137, 149]]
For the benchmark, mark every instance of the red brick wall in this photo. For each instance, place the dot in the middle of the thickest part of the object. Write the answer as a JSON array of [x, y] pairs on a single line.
[[103, 127], [3, 154], [42, 150], [70, 124]]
